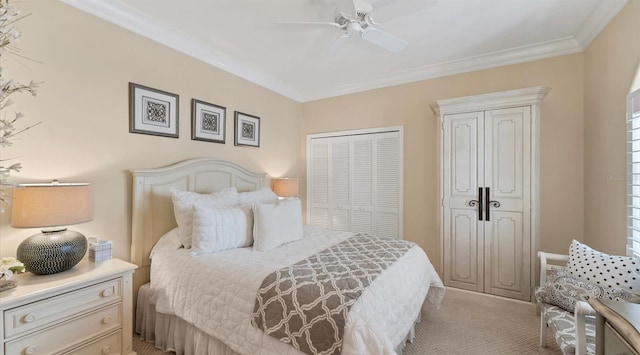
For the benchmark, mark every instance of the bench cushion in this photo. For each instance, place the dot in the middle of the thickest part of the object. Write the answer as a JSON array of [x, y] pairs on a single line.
[[562, 325]]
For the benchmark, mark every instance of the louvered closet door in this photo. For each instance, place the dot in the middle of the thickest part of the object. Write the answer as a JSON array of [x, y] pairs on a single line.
[[487, 154], [330, 184], [318, 189], [355, 183], [362, 212], [340, 186], [388, 185]]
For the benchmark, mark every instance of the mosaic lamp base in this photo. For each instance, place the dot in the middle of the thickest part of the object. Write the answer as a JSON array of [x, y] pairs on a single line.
[[51, 252]]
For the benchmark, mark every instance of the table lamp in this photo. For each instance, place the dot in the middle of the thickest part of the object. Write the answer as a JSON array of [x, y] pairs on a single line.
[[286, 187], [51, 206]]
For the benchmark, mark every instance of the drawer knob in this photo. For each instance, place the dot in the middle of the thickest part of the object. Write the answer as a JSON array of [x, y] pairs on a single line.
[[106, 320], [107, 293], [30, 350], [106, 350], [29, 318]]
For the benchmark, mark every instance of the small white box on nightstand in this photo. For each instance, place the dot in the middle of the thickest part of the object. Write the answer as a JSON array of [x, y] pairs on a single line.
[[100, 250]]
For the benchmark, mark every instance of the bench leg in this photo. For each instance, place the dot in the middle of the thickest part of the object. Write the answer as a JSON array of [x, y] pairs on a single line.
[[543, 329]]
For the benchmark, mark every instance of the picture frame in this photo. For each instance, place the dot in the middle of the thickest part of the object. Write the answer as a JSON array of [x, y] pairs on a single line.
[[153, 111], [247, 130], [208, 122]]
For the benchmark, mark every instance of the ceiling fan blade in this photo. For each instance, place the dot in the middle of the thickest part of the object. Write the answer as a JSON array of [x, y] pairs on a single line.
[[384, 39], [386, 11], [338, 42], [316, 24], [347, 8]]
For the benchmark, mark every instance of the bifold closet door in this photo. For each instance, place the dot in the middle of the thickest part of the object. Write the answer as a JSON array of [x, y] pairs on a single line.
[[486, 201], [355, 183], [330, 187]]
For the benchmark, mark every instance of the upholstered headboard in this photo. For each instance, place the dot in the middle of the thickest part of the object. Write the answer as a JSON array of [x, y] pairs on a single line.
[[152, 210]]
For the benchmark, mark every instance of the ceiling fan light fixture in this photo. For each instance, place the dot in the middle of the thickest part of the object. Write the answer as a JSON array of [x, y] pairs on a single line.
[[353, 17], [354, 28]]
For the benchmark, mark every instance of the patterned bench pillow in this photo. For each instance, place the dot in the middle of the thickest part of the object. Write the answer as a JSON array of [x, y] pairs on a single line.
[[590, 273], [564, 290]]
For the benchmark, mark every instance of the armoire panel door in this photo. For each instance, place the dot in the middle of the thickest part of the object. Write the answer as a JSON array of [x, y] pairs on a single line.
[[486, 160], [506, 264], [463, 163], [464, 264], [507, 225], [489, 166]]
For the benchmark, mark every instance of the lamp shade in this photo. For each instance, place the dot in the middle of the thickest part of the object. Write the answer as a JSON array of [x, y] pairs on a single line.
[[50, 205], [286, 187]]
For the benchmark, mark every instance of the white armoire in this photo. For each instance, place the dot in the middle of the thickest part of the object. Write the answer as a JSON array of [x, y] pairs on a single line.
[[489, 176], [354, 181]]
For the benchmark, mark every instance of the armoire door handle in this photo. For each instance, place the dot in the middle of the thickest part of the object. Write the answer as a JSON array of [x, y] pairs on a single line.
[[490, 204], [478, 203]]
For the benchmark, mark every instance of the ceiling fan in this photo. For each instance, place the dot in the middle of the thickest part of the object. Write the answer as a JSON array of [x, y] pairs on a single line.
[[353, 18]]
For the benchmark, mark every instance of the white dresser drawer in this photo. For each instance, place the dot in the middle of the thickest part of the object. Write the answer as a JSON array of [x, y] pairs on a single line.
[[25, 318], [65, 335], [109, 345]]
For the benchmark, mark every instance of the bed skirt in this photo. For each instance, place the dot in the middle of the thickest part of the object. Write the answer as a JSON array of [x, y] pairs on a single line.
[[171, 333]]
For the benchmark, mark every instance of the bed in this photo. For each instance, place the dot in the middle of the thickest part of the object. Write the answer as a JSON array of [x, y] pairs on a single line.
[[208, 304]]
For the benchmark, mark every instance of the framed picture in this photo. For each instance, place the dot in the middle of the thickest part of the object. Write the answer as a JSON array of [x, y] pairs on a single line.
[[208, 122], [247, 130], [152, 111]]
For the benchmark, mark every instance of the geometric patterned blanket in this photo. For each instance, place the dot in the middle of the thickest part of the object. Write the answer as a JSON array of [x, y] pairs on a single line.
[[306, 304]]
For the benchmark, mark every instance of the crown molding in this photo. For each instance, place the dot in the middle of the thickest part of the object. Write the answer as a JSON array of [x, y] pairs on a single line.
[[503, 99], [517, 55], [118, 13], [604, 12], [121, 15]]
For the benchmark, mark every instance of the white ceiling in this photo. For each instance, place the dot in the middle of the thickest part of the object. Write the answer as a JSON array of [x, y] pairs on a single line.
[[445, 37]]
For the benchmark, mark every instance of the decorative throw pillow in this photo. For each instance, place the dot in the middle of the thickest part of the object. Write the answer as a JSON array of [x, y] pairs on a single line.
[[264, 195], [564, 290], [276, 224], [183, 202], [221, 228], [608, 271]]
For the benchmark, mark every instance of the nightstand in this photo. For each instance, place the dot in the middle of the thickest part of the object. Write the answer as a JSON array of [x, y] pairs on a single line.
[[617, 326], [85, 310]]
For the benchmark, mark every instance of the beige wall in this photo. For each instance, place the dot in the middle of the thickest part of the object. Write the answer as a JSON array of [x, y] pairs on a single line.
[[408, 105], [611, 62], [86, 66]]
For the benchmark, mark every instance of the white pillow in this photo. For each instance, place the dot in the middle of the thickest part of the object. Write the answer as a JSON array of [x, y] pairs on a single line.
[[221, 228], [183, 202], [264, 195], [603, 269], [168, 241], [276, 224]]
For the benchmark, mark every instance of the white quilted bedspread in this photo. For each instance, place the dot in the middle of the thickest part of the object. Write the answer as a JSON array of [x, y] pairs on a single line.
[[216, 293]]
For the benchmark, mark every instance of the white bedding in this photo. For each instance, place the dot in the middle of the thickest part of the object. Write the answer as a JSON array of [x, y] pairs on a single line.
[[216, 293]]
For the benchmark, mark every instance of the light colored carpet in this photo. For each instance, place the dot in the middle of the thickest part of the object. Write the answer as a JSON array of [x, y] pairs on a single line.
[[467, 323]]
